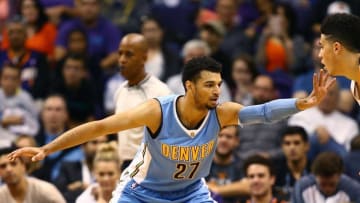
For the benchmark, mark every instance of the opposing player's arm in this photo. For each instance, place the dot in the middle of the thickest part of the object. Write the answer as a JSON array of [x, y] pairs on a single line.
[[147, 114]]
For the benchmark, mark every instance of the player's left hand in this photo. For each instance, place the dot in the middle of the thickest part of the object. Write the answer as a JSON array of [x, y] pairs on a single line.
[[322, 82], [36, 153]]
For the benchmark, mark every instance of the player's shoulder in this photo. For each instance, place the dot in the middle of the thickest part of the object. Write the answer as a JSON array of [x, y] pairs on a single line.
[[167, 99], [228, 107], [227, 113]]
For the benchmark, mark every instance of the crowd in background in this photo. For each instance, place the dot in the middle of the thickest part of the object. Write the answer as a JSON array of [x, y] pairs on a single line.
[[59, 67]]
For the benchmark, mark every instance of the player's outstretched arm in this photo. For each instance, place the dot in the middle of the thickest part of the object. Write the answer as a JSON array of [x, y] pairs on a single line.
[[230, 113], [146, 114]]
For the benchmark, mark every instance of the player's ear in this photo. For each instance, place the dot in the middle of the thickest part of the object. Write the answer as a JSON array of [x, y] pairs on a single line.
[[337, 46], [188, 85]]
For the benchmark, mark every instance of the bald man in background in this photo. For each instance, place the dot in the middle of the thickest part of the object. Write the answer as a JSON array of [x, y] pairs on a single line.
[[138, 87]]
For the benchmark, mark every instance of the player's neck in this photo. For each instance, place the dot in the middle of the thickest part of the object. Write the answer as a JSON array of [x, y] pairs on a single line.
[[188, 113], [352, 66]]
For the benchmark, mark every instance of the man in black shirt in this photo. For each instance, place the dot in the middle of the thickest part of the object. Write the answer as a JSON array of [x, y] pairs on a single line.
[[294, 164]]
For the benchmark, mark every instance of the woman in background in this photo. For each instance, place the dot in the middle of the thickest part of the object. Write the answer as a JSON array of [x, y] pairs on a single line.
[[107, 173], [41, 34]]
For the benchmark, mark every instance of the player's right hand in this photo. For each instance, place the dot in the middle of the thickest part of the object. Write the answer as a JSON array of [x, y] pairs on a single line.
[[36, 153]]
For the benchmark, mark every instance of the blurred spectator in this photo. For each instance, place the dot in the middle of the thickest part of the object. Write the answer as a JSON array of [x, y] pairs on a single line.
[[138, 87], [236, 41], [327, 7], [18, 112], [5, 12], [103, 39], [60, 10], [103, 36], [327, 183], [40, 33], [7, 138], [326, 125], [226, 166], [54, 118], [243, 74], [212, 33], [162, 61], [126, 14], [77, 89], [294, 164], [20, 188], [178, 19], [261, 138], [75, 176], [261, 176], [352, 159], [77, 42], [191, 49], [275, 46], [33, 65], [246, 11], [107, 174]]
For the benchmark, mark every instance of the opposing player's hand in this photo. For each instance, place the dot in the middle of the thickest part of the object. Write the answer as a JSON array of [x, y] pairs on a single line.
[[35, 153], [322, 82]]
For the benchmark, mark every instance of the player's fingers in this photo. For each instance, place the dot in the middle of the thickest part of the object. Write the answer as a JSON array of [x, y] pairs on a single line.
[[315, 82], [321, 77], [330, 83], [325, 78], [38, 157], [13, 155]]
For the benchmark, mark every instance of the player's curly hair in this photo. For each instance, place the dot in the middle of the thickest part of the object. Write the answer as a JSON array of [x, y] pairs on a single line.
[[193, 68]]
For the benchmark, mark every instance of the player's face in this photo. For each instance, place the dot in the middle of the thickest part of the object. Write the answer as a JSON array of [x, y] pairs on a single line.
[[260, 180], [328, 185], [207, 89], [131, 59], [327, 56], [107, 174], [11, 172], [227, 141], [294, 147]]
